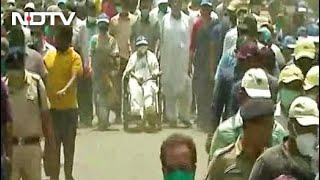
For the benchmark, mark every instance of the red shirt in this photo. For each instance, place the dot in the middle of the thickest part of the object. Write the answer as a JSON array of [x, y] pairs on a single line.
[[195, 29], [109, 9]]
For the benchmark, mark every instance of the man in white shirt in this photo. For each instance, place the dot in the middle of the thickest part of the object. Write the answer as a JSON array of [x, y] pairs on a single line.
[[176, 78], [157, 13]]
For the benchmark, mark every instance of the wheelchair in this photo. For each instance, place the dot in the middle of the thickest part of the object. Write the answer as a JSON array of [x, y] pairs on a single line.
[[129, 118]]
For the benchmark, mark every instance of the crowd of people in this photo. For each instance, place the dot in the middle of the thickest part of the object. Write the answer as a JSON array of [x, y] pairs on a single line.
[[246, 73]]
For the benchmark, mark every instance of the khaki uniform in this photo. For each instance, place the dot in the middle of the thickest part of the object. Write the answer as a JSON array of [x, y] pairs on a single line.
[[230, 163], [26, 158]]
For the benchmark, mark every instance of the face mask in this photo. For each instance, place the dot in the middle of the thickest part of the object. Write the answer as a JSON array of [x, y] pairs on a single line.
[[103, 29], [144, 14], [119, 9], [36, 41], [91, 19], [142, 50], [48, 31], [306, 143], [287, 96], [163, 8], [179, 175]]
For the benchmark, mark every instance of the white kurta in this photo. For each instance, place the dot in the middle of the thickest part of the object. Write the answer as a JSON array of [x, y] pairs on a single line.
[[176, 84], [142, 96], [175, 41]]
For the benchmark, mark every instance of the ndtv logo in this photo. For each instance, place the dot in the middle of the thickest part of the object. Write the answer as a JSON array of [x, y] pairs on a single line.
[[29, 18]]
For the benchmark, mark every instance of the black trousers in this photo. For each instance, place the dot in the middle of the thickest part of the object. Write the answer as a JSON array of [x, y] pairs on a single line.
[[85, 100], [65, 130]]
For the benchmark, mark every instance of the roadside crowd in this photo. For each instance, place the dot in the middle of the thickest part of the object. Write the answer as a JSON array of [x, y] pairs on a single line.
[[244, 72]]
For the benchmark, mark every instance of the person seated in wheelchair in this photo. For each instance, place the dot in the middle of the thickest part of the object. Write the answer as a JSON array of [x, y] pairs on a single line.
[[141, 73]]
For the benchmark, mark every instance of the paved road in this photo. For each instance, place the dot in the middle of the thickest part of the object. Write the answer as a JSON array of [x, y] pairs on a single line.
[[117, 155]]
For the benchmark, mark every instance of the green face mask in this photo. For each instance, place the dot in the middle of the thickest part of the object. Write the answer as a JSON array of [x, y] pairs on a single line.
[[287, 96], [163, 7], [179, 175], [48, 31]]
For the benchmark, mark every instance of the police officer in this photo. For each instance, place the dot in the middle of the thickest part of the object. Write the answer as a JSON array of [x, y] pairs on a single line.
[[236, 160], [293, 157]]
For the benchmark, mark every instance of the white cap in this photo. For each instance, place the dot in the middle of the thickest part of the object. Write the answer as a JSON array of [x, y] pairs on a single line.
[[162, 1], [256, 84], [302, 9], [30, 5], [305, 111], [11, 1], [315, 39], [106, 20]]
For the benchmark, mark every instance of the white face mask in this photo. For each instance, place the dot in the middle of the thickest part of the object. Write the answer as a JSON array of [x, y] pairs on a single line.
[[142, 50], [306, 143]]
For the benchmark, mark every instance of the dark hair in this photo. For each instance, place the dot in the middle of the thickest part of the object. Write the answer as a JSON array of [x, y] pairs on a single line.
[[65, 32], [268, 55], [15, 58], [145, 1], [251, 23], [90, 6], [175, 140], [16, 37]]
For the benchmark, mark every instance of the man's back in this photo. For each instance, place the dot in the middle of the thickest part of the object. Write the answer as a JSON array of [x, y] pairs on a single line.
[[276, 161]]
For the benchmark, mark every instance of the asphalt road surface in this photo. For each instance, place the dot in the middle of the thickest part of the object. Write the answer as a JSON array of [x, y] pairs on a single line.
[[118, 155]]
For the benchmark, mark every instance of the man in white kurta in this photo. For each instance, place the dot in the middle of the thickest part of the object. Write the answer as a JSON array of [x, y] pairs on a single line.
[[143, 67], [174, 64]]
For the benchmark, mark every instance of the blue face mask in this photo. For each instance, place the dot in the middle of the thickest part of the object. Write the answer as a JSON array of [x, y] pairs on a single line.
[[179, 175]]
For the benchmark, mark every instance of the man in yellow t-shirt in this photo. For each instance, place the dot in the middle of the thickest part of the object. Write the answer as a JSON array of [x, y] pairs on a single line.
[[63, 65]]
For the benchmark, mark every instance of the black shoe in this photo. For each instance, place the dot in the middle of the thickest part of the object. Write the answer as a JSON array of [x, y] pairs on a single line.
[[69, 178], [187, 124], [84, 125], [173, 124], [103, 127], [118, 120]]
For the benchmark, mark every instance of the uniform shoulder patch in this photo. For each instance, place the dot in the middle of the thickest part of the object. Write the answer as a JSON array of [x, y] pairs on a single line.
[[222, 151], [32, 75]]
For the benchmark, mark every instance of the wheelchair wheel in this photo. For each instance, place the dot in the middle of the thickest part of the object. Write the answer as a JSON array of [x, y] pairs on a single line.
[[159, 104], [126, 109], [125, 125]]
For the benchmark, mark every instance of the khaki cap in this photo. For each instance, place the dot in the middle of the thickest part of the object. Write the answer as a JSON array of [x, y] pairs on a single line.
[[290, 73], [305, 111], [236, 5], [53, 8], [312, 78], [255, 82], [304, 48], [30, 5]]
